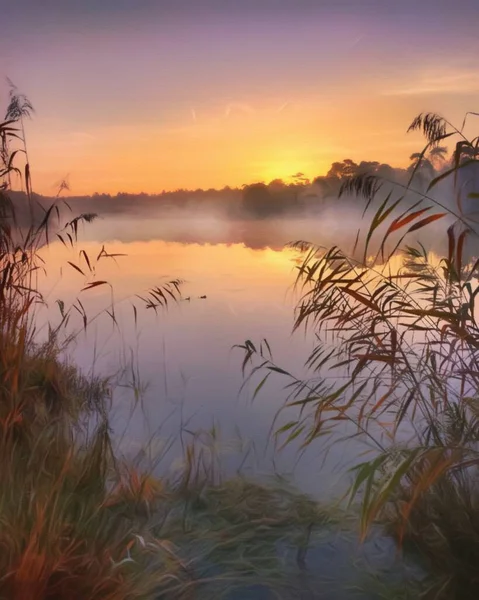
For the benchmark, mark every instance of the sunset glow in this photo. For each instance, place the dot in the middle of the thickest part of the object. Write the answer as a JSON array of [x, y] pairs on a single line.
[[145, 98]]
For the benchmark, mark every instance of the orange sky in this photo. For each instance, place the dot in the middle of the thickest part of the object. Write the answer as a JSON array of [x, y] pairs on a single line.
[[163, 101]]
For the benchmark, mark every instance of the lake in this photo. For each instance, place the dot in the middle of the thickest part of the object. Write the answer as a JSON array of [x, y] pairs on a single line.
[[178, 366], [177, 371], [182, 359]]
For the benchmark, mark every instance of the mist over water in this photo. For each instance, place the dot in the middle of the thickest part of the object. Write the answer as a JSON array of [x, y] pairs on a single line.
[[329, 226], [183, 359], [179, 367], [177, 371], [380, 347], [187, 369]]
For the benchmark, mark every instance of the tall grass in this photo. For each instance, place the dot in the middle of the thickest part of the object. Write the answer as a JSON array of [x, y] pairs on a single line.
[[396, 363], [77, 519], [60, 536]]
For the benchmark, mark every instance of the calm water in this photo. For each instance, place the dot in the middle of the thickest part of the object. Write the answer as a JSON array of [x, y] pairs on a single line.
[[183, 359]]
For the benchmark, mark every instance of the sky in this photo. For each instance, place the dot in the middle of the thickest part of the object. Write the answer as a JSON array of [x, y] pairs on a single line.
[[144, 95]]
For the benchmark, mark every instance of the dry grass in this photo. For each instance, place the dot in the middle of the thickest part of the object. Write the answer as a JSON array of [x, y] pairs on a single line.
[[76, 519], [405, 345]]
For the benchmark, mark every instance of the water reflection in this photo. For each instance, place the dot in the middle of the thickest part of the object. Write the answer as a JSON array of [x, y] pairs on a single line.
[[181, 360]]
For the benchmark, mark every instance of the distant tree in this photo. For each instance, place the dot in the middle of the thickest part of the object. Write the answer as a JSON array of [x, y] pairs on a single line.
[[438, 156], [418, 161], [421, 170], [300, 179], [343, 169], [368, 166], [388, 173], [425, 167], [258, 200], [374, 167], [327, 186], [277, 184]]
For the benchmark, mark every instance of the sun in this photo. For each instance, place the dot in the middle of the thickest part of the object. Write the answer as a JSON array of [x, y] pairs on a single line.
[[281, 170], [286, 169]]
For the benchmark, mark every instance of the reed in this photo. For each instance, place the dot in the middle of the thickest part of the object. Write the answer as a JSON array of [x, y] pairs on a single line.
[[78, 519], [396, 360]]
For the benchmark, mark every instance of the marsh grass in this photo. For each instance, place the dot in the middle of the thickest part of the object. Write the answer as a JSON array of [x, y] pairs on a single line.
[[396, 364], [77, 518]]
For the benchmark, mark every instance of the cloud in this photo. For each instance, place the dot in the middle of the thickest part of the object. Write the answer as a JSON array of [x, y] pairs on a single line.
[[283, 107], [80, 138], [238, 107], [454, 83], [356, 42]]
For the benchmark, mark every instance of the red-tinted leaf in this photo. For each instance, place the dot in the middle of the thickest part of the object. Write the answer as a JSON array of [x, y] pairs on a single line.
[[426, 221], [399, 223]]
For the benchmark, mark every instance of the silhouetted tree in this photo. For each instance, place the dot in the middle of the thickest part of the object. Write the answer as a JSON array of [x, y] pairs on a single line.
[[438, 155], [258, 200], [277, 185], [345, 168]]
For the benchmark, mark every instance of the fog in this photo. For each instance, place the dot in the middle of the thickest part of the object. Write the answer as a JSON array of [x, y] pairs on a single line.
[[225, 245], [272, 215]]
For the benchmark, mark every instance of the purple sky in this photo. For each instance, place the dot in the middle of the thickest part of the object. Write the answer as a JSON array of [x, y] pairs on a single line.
[[141, 95]]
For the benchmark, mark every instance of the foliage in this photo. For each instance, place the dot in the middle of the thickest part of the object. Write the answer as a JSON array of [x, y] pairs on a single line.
[[77, 519], [396, 364]]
